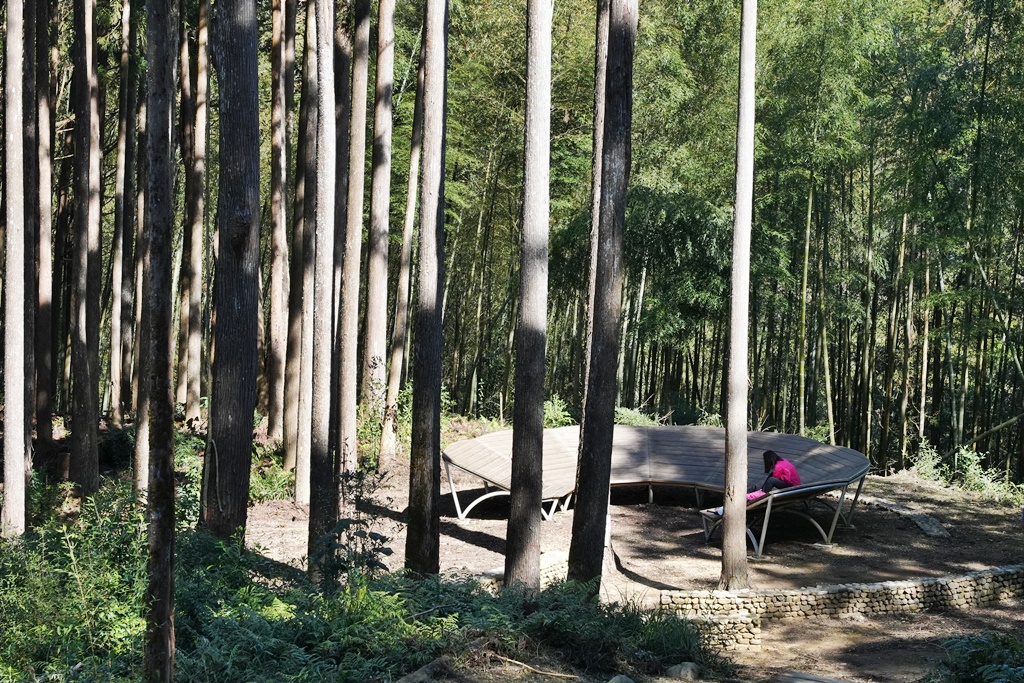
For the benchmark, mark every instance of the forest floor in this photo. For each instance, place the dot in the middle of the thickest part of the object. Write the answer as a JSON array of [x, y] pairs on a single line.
[[660, 546]]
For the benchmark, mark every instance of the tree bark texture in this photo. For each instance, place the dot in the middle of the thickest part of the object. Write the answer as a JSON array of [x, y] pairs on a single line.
[[277, 348], [85, 267], [161, 21], [124, 203], [399, 336], [734, 539], [375, 344], [17, 440], [323, 503], [586, 550], [225, 496], [422, 548], [44, 353], [348, 317], [522, 546]]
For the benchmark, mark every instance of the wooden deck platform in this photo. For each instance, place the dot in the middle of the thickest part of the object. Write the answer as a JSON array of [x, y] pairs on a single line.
[[651, 456]]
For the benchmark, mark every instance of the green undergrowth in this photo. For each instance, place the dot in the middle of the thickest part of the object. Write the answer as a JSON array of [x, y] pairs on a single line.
[[72, 596], [965, 470], [982, 658]]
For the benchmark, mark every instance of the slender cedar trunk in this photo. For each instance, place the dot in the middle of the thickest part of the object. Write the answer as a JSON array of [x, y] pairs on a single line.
[[85, 320], [890, 348], [161, 20], [30, 149], [62, 258], [422, 551], [44, 346], [187, 142], [196, 178], [133, 197], [586, 550], [348, 323], [124, 214], [522, 547], [803, 307], [17, 439], [294, 331], [323, 502], [908, 346], [236, 288], [375, 345], [342, 116], [869, 324], [734, 542], [139, 389], [823, 339], [301, 304], [277, 348], [399, 336], [597, 157]]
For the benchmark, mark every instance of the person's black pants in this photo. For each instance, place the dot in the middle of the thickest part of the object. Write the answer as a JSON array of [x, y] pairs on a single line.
[[772, 483]]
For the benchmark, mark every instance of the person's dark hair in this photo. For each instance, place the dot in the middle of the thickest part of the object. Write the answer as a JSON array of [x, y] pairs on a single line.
[[770, 458]]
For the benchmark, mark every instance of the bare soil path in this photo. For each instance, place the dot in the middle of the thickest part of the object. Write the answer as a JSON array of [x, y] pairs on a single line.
[[661, 546]]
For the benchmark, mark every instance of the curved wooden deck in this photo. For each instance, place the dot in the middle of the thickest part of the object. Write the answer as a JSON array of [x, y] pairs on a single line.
[[651, 456]]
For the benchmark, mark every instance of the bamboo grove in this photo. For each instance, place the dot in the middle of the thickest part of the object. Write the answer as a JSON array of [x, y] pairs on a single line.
[[886, 274]]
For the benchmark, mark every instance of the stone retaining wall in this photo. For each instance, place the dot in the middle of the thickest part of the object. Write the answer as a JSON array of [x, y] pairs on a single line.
[[733, 618]]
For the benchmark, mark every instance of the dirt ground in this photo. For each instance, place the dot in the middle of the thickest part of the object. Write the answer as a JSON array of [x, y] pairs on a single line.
[[660, 545]]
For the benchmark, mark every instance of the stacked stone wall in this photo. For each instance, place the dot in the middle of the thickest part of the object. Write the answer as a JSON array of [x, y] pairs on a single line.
[[732, 619]]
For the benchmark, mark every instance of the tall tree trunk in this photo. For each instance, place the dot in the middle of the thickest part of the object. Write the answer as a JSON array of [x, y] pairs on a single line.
[[124, 203], [803, 307], [277, 348], [522, 545], [734, 541], [161, 21], [300, 379], [597, 157], [586, 550], [17, 439], [349, 310], [323, 501], [890, 356], [197, 216], [44, 346], [139, 389], [422, 547], [85, 322], [399, 336], [187, 142], [375, 345], [225, 492]]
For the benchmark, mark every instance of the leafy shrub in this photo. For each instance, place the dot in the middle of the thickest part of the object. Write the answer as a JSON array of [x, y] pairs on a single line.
[[966, 471], [707, 419], [71, 592], [556, 413], [818, 433], [634, 418], [269, 479], [983, 658]]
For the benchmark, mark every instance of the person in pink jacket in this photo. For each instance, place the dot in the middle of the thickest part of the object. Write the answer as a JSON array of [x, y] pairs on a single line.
[[781, 474]]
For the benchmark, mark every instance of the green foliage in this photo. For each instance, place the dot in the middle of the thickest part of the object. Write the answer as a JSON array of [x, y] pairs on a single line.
[[72, 594], [818, 433], [707, 419], [983, 658], [634, 417], [269, 479], [556, 413], [966, 470]]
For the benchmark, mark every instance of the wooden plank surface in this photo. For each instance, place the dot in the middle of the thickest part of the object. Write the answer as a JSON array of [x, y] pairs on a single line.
[[664, 455]]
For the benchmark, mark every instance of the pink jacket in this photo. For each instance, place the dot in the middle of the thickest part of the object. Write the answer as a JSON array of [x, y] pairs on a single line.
[[785, 471]]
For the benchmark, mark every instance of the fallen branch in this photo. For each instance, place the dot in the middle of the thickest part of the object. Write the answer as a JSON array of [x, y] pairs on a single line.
[[530, 668]]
